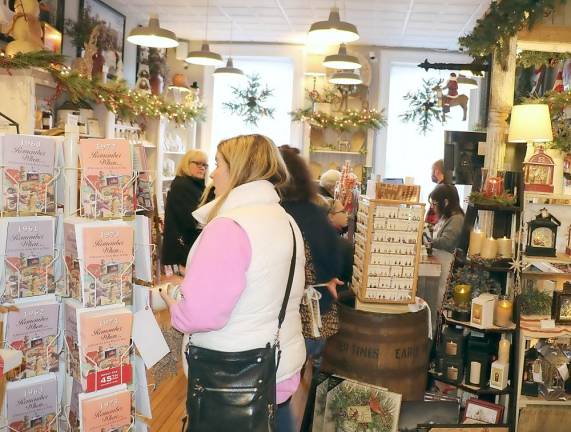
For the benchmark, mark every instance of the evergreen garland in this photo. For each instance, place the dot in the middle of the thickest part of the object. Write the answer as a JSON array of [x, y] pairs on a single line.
[[424, 108], [381, 404], [127, 104], [249, 101], [560, 124], [346, 120], [504, 19], [527, 59]]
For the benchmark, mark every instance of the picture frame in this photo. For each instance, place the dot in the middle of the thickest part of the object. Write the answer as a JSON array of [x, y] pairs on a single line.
[[52, 38], [561, 309], [114, 19], [480, 411], [52, 13]]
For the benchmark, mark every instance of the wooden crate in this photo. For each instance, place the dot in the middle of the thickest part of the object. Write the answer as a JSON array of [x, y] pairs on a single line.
[[388, 242]]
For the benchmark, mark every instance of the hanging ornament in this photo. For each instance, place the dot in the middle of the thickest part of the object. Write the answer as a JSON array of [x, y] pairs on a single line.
[[249, 101]]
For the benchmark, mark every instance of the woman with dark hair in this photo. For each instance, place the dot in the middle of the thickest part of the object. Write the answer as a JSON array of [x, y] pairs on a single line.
[[323, 265], [446, 203]]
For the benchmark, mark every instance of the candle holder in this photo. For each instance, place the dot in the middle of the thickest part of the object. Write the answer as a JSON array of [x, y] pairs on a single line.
[[503, 312], [462, 296]]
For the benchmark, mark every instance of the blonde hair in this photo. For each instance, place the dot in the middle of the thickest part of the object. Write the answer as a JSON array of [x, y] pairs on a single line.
[[183, 167], [249, 158]]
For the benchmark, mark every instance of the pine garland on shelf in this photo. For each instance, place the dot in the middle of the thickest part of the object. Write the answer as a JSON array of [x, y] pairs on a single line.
[[527, 59], [424, 108], [346, 121], [560, 124], [503, 20], [249, 101], [127, 104]]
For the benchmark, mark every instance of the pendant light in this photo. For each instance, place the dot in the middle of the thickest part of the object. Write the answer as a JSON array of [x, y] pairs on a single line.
[[153, 35], [333, 31], [341, 60], [229, 69], [345, 77], [204, 56]]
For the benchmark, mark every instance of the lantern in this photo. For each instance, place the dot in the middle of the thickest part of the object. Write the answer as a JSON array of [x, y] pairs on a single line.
[[568, 248], [542, 235], [538, 172]]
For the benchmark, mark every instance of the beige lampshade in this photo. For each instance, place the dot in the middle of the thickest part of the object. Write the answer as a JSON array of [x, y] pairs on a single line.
[[530, 123], [314, 66]]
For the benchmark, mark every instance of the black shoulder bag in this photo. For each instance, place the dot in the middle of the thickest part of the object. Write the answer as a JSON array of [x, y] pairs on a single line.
[[235, 390]]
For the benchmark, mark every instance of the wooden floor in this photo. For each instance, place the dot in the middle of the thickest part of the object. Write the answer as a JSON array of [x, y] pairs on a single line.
[[168, 403]]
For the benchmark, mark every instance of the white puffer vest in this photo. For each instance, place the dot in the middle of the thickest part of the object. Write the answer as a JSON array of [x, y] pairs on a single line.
[[254, 321]]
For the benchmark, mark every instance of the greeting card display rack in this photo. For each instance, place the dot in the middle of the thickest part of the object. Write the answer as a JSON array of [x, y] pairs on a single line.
[[14, 287], [387, 250]]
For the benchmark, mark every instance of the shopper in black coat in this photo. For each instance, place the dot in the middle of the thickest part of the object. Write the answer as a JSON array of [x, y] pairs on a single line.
[[181, 229]]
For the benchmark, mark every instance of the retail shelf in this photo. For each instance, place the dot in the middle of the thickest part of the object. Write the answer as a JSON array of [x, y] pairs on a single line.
[[528, 329], [545, 198], [480, 391], [354, 153], [559, 259], [530, 400], [494, 329], [503, 265], [496, 208], [174, 152], [168, 178]]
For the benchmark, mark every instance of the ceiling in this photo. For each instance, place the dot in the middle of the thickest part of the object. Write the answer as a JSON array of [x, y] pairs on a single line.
[[395, 23]]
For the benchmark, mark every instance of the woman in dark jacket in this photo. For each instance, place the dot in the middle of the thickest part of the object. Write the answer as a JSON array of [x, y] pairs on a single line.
[[186, 189], [323, 264]]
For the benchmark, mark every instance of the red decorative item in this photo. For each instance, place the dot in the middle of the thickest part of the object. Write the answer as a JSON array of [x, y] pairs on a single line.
[[494, 186], [538, 172]]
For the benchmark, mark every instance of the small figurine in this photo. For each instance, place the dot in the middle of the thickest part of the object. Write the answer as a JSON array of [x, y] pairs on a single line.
[[452, 87], [26, 28]]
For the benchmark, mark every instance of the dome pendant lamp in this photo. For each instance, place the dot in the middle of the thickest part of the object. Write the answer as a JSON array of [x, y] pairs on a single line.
[[152, 35], [229, 69], [204, 56], [341, 60], [345, 77], [333, 31]]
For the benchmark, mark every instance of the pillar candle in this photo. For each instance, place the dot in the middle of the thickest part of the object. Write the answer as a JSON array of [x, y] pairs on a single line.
[[476, 238], [503, 312], [504, 350], [489, 248], [504, 247], [475, 368]]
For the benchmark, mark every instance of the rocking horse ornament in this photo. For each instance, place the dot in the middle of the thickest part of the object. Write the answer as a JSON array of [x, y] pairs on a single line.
[[452, 98]]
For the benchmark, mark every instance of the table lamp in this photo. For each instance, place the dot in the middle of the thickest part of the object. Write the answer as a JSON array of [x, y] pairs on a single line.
[[530, 123]]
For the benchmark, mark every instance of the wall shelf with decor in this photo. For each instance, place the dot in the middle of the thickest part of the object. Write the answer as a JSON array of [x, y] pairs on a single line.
[[527, 339]]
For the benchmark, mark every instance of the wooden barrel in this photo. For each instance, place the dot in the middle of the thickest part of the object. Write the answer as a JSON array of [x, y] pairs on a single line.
[[388, 350]]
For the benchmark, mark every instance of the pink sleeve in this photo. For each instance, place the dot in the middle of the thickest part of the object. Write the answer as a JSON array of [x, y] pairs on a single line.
[[215, 278]]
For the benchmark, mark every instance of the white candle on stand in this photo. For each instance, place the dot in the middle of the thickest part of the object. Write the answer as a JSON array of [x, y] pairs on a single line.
[[505, 247], [475, 369], [489, 248], [476, 238]]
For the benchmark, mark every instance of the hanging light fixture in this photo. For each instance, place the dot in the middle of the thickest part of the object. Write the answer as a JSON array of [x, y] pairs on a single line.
[[345, 77], [204, 56], [341, 60], [333, 31], [153, 35], [229, 69]]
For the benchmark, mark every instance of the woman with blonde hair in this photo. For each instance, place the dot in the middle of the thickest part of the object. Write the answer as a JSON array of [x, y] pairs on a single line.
[[244, 281], [187, 188]]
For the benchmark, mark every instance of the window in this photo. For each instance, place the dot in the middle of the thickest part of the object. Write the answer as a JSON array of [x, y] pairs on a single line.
[[277, 74], [409, 153]]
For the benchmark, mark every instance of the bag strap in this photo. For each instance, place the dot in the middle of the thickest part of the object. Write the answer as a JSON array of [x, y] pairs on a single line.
[[289, 280]]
